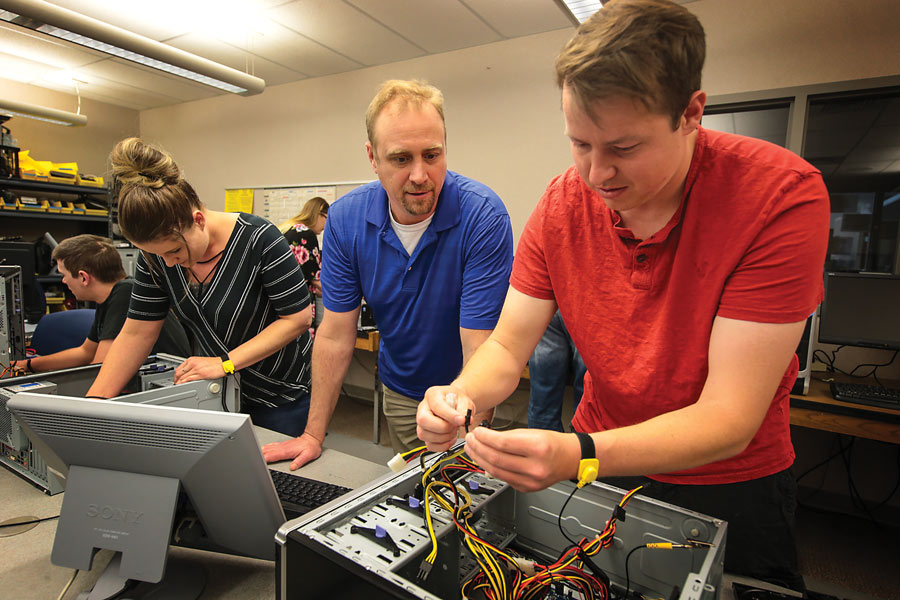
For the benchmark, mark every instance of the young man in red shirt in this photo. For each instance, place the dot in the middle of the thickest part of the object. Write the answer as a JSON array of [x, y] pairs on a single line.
[[685, 262]]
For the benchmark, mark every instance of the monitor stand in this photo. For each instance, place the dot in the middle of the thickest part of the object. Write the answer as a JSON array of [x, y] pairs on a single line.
[[181, 581], [132, 515]]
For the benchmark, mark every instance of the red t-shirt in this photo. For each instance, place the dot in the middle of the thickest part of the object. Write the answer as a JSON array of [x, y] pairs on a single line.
[[748, 242]]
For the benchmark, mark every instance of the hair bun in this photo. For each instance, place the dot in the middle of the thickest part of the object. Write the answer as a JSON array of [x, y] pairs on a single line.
[[137, 163]]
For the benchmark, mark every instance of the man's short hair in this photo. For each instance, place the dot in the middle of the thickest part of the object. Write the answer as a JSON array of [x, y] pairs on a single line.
[[411, 93], [649, 50], [92, 254]]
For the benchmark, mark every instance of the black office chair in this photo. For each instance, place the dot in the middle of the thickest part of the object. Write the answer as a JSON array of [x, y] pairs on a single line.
[[62, 330]]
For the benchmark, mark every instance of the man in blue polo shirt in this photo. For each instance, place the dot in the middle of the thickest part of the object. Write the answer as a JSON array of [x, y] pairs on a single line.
[[428, 249]]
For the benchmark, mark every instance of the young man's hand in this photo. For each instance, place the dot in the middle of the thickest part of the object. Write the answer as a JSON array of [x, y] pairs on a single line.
[[440, 415], [527, 459]]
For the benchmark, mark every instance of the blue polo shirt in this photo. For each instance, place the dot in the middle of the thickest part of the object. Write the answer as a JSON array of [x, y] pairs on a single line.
[[457, 276]]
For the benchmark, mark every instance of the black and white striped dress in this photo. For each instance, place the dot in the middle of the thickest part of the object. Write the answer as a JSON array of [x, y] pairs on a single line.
[[256, 280]]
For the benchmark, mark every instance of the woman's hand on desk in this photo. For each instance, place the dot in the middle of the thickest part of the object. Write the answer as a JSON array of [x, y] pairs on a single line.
[[199, 367], [301, 449]]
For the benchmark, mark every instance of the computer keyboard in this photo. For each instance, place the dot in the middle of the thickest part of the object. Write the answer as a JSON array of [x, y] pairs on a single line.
[[299, 495], [871, 395]]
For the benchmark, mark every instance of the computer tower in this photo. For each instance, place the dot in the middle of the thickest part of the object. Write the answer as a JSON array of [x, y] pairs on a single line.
[[373, 542], [805, 354]]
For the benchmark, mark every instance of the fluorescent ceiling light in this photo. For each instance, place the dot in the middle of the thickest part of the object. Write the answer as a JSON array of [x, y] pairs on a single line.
[[580, 10], [41, 113], [79, 29]]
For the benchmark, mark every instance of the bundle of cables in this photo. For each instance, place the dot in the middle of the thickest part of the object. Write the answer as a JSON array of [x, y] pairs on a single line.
[[503, 575]]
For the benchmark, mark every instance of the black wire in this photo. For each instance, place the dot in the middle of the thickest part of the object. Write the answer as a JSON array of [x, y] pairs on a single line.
[[825, 361], [559, 517], [836, 441], [829, 362], [874, 366], [30, 522], [894, 489], [627, 577], [855, 496]]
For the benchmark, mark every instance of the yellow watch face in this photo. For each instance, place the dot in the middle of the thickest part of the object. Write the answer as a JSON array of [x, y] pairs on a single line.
[[228, 367]]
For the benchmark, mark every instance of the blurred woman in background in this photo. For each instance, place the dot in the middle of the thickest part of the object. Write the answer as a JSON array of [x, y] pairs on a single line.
[[300, 232]]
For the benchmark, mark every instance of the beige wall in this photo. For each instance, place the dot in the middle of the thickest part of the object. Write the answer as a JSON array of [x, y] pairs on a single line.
[[502, 110], [88, 146], [767, 44], [503, 118]]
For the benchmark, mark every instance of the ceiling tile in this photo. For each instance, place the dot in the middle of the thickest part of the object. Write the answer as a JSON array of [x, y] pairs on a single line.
[[516, 18], [290, 40], [24, 70], [110, 94], [285, 47], [435, 25], [346, 30], [21, 42], [226, 54], [142, 18]]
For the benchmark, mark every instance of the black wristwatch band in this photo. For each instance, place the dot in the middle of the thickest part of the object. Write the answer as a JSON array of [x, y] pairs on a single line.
[[587, 445]]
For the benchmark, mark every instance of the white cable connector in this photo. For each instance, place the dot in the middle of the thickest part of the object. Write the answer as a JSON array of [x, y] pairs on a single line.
[[525, 565], [397, 463]]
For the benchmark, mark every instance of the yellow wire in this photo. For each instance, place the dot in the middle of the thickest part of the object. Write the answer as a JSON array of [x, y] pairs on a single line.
[[413, 451]]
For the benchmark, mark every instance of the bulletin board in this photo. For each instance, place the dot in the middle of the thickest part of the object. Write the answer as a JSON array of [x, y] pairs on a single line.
[[279, 203]]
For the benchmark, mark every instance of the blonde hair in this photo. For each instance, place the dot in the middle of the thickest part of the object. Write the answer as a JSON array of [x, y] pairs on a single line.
[[155, 202], [413, 93], [649, 50], [308, 215]]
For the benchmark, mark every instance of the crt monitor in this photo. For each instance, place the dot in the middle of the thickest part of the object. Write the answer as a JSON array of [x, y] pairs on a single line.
[[861, 309], [125, 465]]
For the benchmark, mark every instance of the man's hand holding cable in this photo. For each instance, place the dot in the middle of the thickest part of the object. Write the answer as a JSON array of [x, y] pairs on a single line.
[[527, 459], [440, 415]]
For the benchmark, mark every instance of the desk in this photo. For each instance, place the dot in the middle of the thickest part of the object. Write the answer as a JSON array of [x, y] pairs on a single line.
[[26, 572], [369, 343], [818, 410]]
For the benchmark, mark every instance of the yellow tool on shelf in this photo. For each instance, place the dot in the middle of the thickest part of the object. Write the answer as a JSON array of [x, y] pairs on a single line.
[[27, 203], [90, 180], [36, 170]]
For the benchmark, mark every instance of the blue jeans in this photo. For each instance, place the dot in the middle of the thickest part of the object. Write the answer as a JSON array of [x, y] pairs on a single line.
[[289, 419], [554, 357]]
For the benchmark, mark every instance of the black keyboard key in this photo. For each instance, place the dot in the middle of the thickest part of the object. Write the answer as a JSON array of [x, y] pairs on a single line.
[[299, 495], [870, 395]]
